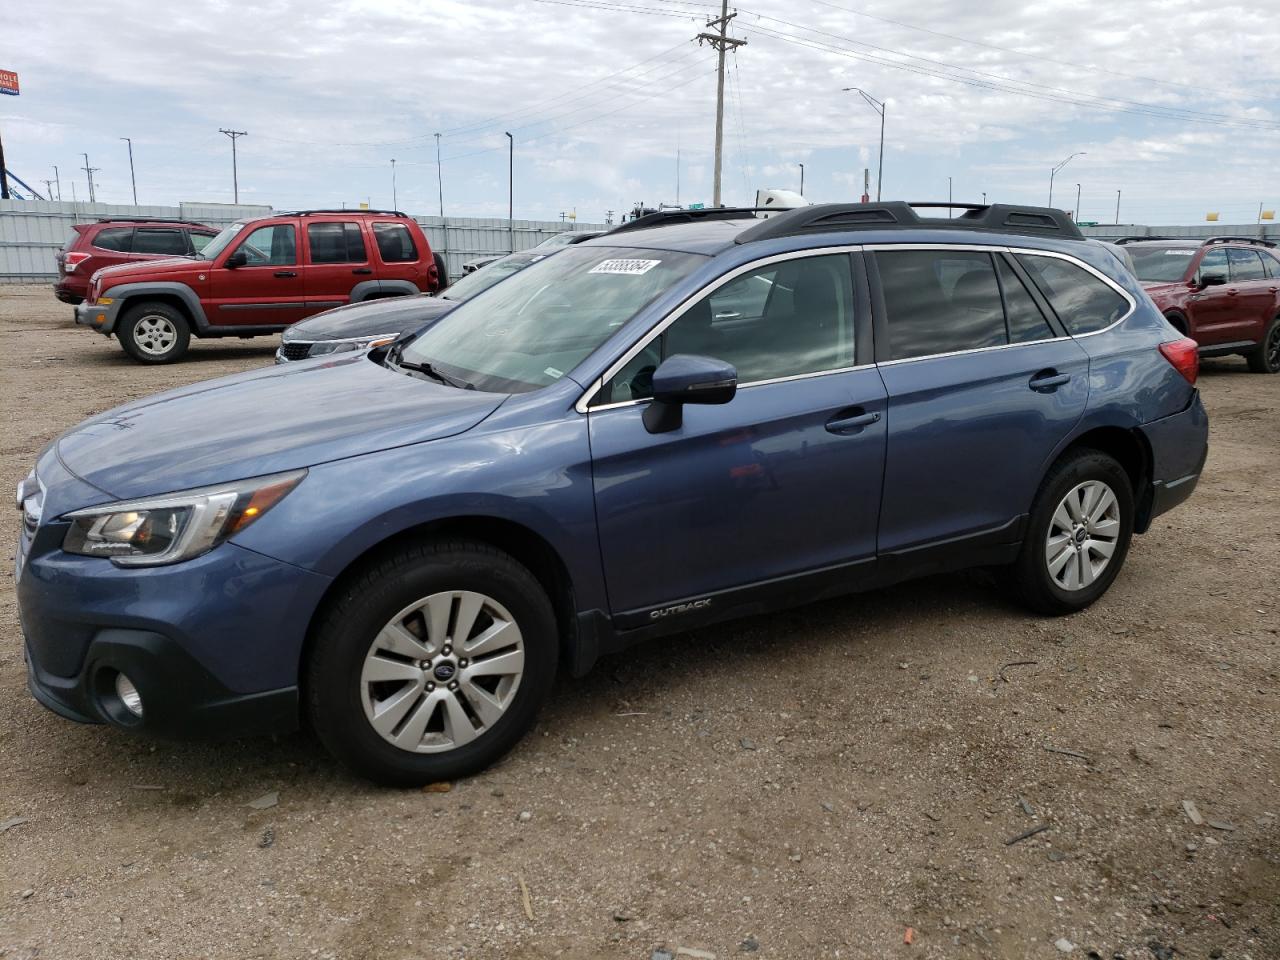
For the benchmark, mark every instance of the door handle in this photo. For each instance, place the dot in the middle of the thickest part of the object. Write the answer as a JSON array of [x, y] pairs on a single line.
[[284, 274], [362, 270], [1048, 381], [852, 424], [728, 315], [1233, 293]]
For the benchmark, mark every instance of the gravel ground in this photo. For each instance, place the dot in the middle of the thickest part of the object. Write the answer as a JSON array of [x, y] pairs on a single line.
[[826, 782]]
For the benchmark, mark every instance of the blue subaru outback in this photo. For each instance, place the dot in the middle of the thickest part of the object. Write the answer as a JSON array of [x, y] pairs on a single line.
[[697, 416]]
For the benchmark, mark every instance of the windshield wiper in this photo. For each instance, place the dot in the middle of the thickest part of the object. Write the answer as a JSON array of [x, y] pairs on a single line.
[[428, 370]]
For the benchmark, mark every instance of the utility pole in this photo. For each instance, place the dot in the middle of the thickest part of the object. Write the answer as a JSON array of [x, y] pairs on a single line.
[[511, 192], [1076, 215], [722, 42], [1053, 172], [48, 188], [678, 177], [57, 181], [1117, 208], [948, 196], [235, 173], [132, 179], [439, 177], [878, 107], [802, 179], [394, 204], [89, 172]]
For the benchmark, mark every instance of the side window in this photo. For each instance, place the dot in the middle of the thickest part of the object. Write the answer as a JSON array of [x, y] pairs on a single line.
[[1026, 323], [1271, 264], [336, 243], [781, 320], [274, 245], [1245, 265], [395, 243], [1214, 261], [166, 240], [940, 301], [1082, 302], [119, 239], [200, 240]]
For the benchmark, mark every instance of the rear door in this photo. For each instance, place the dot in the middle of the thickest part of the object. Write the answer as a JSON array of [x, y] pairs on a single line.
[[159, 241], [269, 289], [1212, 308], [335, 264], [982, 385], [400, 255]]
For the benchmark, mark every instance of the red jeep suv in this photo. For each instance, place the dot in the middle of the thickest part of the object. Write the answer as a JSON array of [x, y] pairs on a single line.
[[1223, 292], [259, 276], [115, 240]]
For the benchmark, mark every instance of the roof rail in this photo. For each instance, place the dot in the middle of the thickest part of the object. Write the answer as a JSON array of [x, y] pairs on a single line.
[[901, 215], [1124, 240], [1256, 240], [347, 210], [665, 217], [147, 220]]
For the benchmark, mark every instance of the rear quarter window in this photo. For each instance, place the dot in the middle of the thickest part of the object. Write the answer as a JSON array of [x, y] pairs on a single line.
[[395, 243], [119, 239], [1083, 302]]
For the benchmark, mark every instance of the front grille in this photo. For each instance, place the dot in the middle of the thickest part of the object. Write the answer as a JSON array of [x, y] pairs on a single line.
[[295, 350]]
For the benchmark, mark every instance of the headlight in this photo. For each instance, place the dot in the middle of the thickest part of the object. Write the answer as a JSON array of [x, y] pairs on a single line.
[[175, 527], [324, 347]]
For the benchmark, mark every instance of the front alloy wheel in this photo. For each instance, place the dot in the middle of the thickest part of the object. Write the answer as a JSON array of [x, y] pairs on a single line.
[[442, 672]]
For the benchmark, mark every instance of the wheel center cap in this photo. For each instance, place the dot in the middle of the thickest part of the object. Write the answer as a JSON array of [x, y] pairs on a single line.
[[444, 671], [1081, 534]]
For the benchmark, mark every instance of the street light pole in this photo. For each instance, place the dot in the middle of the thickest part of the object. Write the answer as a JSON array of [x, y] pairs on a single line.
[[439, 177], [802, 179], [948, 196], [132, 179], [1117, 208], [1077, 213], [394, 204], [511, 190], [878, 106], [1054, 172]]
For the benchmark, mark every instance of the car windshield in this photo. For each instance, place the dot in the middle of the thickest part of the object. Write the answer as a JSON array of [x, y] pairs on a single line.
[[473, 283], [558, 240], [1160, 264], [530, 331], [219, 243]]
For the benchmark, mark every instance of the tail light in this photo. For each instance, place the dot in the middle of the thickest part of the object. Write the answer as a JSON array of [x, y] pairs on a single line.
[[73, 260], [1184, 354]]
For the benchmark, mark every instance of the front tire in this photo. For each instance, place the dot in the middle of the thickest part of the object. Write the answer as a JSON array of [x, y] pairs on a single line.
[[432, 663], [1265, 357], [154, 333], [1077, 535]]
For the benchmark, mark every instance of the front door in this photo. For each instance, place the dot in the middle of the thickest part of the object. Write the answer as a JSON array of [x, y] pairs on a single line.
[[982, 388], [782, 480], [268, 290]]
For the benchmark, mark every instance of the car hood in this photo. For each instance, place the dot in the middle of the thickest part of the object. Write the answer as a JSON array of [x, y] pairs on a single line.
[[121, 272], [394, 315], [262, 422]]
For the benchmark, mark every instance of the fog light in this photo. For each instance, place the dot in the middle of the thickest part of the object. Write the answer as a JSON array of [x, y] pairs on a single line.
[[128, 695]]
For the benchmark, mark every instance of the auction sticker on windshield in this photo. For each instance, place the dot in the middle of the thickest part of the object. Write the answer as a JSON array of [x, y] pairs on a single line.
[[629, 268]]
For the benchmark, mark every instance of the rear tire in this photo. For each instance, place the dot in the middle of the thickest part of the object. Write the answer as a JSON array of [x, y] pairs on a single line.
[[1265, 357], [442, 270], [1178, 322], [1077, 535], [431, 663], [154, 333]]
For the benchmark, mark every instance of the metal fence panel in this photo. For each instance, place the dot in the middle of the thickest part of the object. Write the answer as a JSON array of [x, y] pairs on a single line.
[[32, 231]]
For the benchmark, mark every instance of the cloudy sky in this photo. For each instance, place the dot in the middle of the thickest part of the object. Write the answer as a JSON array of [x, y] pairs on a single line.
[[1176, 103]]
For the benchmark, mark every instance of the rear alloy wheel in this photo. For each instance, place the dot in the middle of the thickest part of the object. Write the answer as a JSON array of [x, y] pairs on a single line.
[[431, 663], [154, 333], [1265, 357], [1077, 534]]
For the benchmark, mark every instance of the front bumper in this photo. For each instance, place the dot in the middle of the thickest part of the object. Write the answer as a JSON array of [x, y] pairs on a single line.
[[1179, 448], [99, 317], [213, 644]]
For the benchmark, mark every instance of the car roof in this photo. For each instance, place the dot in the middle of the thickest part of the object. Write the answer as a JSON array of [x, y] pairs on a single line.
[[707, 237]]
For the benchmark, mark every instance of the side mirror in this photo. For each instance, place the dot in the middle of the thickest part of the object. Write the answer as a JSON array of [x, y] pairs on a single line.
[[683, 379], [237, 259], [1213, 279]]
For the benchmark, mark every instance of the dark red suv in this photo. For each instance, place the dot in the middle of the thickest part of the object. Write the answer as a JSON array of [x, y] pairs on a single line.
[[259, 276], [1223, 292], [112, 241]]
